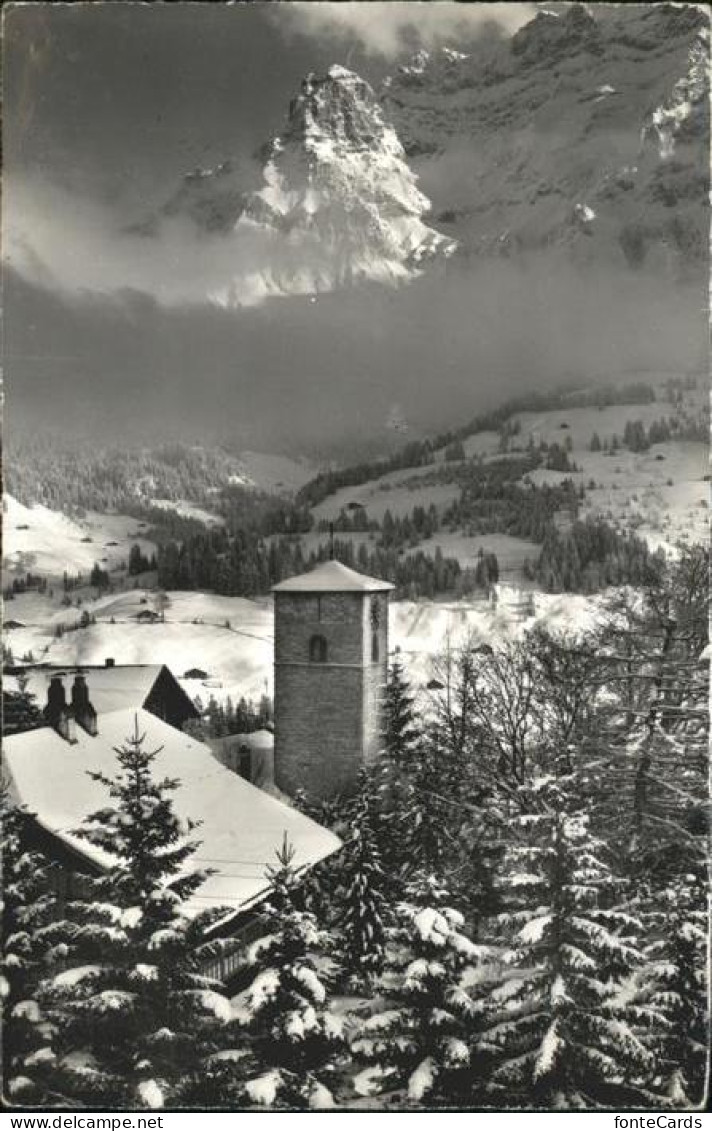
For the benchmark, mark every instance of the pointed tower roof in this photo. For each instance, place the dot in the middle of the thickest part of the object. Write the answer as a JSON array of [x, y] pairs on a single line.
[[332, 577]]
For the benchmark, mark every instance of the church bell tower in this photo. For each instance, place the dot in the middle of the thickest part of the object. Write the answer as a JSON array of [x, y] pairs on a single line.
[[331, 663]]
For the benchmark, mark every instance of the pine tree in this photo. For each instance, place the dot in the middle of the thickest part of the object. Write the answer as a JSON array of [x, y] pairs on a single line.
[[655, 749], [677, 972], [28, 954], [293, 1041], [410, 827], [134, 1012], [427, 825], [19, 709], [401, 733], [558, 1036], [363, 903], [418, 1039]]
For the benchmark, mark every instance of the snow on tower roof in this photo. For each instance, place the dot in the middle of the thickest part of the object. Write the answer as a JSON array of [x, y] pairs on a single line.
[[332, 577], [241, 828]]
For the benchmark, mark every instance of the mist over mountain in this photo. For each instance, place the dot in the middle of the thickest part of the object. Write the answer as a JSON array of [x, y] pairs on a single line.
[[293, 374], [531, 210]]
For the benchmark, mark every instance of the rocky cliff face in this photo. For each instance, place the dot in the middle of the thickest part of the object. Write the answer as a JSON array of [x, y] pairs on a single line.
[[587, 130]]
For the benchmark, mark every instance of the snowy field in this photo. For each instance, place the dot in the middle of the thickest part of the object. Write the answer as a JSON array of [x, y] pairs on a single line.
[[661, 494], [398, 492], [239, 658], [421, 631], [511, 552], [581, 423], [228, 637], [275, 473], [48, 542], [661, 499], [188, 510]]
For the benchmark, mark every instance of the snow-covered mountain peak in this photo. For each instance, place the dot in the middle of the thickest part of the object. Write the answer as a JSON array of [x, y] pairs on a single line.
[[335, 115], [339, 202], [335, 202]]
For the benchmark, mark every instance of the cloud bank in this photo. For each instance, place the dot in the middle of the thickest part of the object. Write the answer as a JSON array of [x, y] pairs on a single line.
[[73, 245], [390, 28]]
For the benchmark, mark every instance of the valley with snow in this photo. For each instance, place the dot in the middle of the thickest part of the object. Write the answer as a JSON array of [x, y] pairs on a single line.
[[355, 559], [660, 494]]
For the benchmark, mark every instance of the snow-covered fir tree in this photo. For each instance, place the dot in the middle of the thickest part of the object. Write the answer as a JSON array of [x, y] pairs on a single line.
[[19, 709], [28, 953], [417, 1039], [675, 985], [292, 1039], [429, 818], [135, 1015], [363, 903], [559, 1035]]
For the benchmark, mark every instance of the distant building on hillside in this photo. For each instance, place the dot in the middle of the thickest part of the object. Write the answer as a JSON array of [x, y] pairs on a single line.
[[196, 673], [147, 616], [331, 657]]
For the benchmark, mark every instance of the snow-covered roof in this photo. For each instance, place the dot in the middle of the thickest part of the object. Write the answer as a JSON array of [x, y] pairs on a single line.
[[111, 688], [332, 577], [241, 828]]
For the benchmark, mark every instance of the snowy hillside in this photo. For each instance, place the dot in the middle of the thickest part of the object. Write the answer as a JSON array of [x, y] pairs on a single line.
[[660, 493], [47, 542], [232, 639]]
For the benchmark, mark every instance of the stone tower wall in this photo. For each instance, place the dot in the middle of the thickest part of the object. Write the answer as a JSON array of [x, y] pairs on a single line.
[[375, 675], [327, 715]]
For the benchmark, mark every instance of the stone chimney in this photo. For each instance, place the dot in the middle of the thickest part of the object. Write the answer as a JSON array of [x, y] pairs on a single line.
[[56, 700], [82, 708], [66, 727], [57, 713]]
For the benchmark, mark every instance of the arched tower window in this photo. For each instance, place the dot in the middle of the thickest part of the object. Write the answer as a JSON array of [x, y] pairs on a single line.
[[317, 650], [375, 623]]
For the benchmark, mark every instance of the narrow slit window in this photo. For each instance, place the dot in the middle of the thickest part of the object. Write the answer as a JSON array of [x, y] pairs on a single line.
[[317, 650], [375, 651]]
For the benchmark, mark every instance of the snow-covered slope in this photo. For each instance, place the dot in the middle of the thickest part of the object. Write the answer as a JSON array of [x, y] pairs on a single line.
[[232, 638], [47, 542]]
